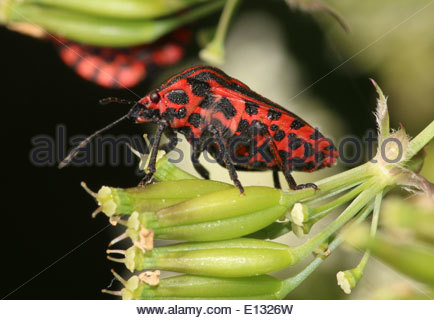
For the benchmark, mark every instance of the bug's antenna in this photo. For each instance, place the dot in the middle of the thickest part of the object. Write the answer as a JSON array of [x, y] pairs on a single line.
[[82, 144], [116, 100]]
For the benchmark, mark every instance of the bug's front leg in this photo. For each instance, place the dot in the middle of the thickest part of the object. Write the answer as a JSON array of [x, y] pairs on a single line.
[[227, 159], [162, 125]]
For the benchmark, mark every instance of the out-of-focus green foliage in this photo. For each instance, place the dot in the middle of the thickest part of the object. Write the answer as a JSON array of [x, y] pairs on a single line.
[[395, 40]]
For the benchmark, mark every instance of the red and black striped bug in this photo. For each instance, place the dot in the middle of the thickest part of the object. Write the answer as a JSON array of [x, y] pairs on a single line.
[[123, 67], [240, 128]]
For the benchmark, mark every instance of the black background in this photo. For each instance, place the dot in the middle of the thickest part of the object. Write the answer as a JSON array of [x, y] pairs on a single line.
[[45, 212]]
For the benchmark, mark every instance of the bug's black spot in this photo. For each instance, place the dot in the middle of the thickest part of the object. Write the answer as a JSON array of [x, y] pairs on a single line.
[[297, 124], [279, 135], [295, 143], [237, 86], [316, 135], [330, 147], [319, 157], [320, 166], [309, 165], [169, 114], [204, 76], [297, 162], [283, 155], [242, 125], [186, 131], [178, 96], [308, 150], [274, 127], [251, 108], [218, 125], [181, 113], [207, 102], [259, 164], [274, 114], [226, 107], [155, 97], [195, 119], [199, 88], [256, 128]]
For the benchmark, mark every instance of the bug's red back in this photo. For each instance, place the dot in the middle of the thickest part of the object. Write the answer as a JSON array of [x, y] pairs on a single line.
[[202, 96]]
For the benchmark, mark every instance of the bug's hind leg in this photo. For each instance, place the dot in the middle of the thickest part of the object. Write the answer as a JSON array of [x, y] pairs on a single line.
[[283, 166], [227, 159], [293, 185]]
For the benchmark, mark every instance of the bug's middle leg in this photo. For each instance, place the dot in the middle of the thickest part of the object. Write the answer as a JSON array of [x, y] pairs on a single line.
[[197, 150], [227, 159], [276, 180]]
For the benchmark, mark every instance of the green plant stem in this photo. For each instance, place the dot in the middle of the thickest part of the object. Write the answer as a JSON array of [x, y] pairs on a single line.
[[335, 183], [223, 25], [374, 226], [321, 211], [293, 282], [358, 203], [422, 139], [214, 52]]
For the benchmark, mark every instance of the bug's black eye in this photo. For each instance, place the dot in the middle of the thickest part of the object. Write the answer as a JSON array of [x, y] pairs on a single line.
[[155, 97]]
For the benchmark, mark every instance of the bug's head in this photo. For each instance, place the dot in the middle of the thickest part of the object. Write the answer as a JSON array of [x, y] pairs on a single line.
[[146, 109]]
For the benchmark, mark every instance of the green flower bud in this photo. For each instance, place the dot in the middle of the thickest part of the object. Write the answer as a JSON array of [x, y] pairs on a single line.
[[114, 201], [299, 214], [97, 30], [229, 258], [215, 229], [348, 279], [167, 171], [131, 9], [273, 231], [199, 287], [219, 215]]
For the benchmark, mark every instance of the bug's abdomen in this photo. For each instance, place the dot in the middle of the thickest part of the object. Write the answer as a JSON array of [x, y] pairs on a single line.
[[294, 143]]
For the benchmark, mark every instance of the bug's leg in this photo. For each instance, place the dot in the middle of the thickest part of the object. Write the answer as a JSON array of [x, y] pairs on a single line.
[[173, 140], [286, 171], [276, 180], [276, 155], [227, 159], [197, 150], [293, 185], [162, 125]]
